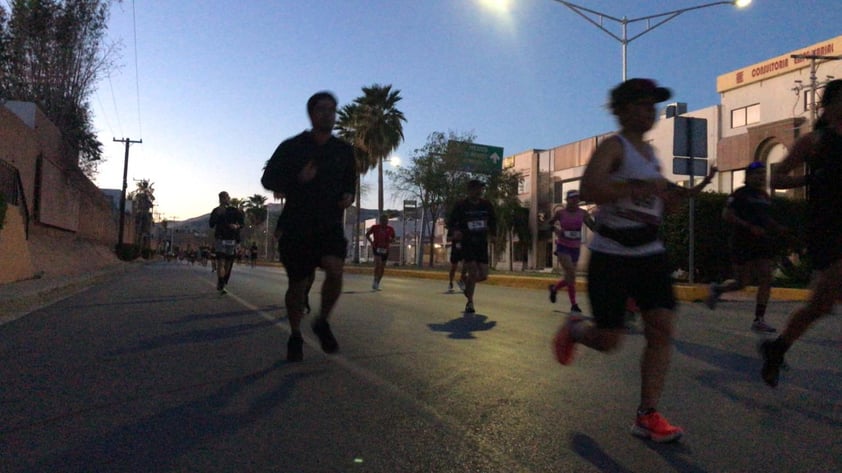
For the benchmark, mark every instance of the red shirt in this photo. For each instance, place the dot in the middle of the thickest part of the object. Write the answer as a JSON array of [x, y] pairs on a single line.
[[383, 235]]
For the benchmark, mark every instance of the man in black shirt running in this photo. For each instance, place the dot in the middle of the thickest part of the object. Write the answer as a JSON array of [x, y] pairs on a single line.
[[316, 173], [226, 221], [470, 222]]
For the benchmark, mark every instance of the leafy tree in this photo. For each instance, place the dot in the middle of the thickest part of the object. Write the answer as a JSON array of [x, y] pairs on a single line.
[[52, 52], [512, 216], [434, 177], [378, 127]]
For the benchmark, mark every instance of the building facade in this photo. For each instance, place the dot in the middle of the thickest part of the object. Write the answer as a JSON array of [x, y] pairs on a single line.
[[763, 109]]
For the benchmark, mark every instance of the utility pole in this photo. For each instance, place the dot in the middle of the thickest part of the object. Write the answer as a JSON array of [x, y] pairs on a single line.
[[814, 83], [127, 141]]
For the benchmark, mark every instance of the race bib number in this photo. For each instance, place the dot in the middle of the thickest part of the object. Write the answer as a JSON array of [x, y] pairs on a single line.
[[476, 225], [572, 234]]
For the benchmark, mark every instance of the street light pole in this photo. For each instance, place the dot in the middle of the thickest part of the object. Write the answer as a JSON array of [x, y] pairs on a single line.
[[624, 22]]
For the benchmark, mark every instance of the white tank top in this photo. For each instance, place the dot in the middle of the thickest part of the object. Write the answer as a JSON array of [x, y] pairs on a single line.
[[626, 212]]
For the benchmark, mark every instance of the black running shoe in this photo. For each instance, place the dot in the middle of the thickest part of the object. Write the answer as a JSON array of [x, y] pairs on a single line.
[[322, 330], [553, 293], [295, 348], [469, 308], [773, 359]]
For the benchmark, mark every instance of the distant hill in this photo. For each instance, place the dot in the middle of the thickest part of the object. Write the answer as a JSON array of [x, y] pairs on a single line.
[[200, 223]]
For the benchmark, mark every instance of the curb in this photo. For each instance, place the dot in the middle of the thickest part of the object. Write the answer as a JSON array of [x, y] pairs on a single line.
[[22, 297], [683, 291]]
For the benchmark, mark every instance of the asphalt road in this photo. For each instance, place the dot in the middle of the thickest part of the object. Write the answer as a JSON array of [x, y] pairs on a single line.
[[153, 371]]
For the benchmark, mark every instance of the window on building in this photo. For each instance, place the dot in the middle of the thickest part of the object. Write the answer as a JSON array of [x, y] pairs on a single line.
[[745, 116], [523, 186]]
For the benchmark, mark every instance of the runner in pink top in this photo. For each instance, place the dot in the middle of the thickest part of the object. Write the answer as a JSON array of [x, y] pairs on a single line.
[[568, 240]]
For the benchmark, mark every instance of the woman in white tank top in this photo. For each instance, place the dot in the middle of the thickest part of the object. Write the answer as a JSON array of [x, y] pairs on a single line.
[[628, 260]]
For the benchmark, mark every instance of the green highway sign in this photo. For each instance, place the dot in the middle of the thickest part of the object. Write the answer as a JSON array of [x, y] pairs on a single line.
[[478, 158]]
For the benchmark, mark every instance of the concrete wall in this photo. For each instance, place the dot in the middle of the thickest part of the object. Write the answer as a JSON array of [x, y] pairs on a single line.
[[14, 248], [67, 212]]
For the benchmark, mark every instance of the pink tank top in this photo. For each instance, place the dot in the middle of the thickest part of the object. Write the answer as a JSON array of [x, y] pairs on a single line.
[[570, 234]]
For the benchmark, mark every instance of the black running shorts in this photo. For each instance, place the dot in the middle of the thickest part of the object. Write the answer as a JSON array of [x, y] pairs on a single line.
[[301, 252], [613, 279]]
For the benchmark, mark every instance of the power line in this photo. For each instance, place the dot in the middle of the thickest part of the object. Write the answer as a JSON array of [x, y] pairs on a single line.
[[127, 141], [136, 72], [814, 83]]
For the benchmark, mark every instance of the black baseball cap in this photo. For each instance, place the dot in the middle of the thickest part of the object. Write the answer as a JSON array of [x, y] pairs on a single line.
[[475, 183], [637, 88]]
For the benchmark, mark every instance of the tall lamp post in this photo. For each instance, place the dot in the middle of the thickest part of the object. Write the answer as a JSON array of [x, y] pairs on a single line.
[[659, 18]]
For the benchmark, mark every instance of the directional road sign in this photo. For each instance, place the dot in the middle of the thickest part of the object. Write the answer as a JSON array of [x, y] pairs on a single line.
[[479, 158], [689, 166]]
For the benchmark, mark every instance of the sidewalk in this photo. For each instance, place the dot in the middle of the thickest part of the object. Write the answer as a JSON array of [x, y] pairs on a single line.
[[21, 297]]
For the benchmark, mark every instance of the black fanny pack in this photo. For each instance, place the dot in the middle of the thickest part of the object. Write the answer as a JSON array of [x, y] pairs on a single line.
[[630, 237]]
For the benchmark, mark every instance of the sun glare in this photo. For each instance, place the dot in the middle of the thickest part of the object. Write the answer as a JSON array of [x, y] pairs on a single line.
[[498, 6]]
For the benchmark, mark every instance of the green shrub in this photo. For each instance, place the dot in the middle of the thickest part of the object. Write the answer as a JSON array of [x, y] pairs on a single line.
[[712, 259], [128, 251]]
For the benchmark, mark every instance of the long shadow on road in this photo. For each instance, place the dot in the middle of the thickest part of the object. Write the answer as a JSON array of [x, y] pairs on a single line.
[[463, 328], [733, 370], [155, 443]]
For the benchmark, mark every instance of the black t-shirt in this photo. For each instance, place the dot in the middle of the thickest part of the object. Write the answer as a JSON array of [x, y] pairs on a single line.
[[753, 206], [221, 219], [474, 219], [312, 206]]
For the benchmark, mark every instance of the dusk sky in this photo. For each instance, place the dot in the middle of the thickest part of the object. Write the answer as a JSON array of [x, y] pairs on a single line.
[[212, 86]]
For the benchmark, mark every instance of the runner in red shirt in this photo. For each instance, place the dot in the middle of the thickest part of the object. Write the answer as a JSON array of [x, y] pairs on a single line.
[[381, 236]]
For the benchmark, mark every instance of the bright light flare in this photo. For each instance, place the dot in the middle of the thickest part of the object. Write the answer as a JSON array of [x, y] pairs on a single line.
[[497, 6], [741, 3], [395, 160]]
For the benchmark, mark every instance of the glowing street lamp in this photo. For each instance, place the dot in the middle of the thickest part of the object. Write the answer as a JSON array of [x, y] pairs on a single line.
[[660, 18]]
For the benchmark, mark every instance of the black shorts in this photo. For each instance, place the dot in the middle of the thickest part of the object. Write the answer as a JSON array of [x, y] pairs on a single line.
[[744, 251], [613, 279], [455, 254], [301, 253], [381, 253], [475, 252]]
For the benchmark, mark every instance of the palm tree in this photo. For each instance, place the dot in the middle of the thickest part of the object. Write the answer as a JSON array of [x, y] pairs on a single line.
[[256, 214], [142, 198], [347, 123], [255, 207], [379, 127]]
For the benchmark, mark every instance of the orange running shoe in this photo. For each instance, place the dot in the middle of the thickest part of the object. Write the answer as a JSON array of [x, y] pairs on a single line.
[[564, 345], [653, 425]]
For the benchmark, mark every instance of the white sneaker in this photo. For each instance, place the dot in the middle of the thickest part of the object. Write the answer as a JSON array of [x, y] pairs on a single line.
[[450, 288], [375, 286], [762, 326]]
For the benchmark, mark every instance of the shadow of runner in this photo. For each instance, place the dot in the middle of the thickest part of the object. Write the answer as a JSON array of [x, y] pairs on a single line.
[[587, 448], [154, 443], [462, 328]]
